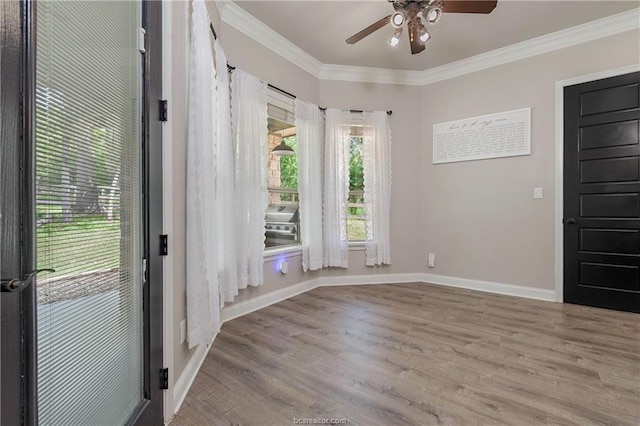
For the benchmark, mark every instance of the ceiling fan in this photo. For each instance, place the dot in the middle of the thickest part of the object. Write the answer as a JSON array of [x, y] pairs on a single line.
[[413, 12]]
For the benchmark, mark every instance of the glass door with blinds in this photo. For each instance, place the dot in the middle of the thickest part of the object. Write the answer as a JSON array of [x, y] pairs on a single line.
[[89, 211]]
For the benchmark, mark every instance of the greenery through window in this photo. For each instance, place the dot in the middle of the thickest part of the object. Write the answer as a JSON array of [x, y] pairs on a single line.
[[355, 211], [78, 189], [289, 169]]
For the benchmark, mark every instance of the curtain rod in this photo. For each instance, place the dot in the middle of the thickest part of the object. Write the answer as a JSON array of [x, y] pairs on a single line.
[[213, 31], [284, 92], [355, 111]]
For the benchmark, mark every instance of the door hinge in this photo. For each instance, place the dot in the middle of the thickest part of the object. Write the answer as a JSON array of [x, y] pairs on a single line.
[[141, 40], [164, 378], [164, 245], [163, 111], [144, 271]]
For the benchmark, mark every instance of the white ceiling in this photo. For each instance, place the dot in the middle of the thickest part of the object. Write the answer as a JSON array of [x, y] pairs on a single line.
[[321, 27]]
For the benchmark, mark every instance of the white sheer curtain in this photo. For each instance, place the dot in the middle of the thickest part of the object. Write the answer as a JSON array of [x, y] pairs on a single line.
[[249, 117], [203, 302], [336, 188], [310, 133], [225, 186], [377, 186]]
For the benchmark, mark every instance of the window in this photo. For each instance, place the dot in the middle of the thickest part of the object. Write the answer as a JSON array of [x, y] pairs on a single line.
[[282, 215], [355, 209]]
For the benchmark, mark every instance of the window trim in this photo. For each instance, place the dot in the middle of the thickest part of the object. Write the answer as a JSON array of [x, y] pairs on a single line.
[[272, 254], [357, 245]]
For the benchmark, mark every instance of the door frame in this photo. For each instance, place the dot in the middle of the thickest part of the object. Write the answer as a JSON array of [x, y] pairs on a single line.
[[151, 410], [559, 167], [167, 206], [17, 140]]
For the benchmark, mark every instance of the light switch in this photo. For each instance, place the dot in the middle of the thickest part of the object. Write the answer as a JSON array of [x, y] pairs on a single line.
[[537, 193]]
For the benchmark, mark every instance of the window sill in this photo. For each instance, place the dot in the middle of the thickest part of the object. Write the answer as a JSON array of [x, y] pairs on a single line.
[[273, 253], [357, 246]]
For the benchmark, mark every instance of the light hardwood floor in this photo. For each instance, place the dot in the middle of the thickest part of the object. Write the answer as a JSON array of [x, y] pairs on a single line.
[[420, 354]]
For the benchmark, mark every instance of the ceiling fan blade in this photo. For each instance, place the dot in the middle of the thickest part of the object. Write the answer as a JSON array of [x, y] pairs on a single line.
[[416, 46], [369, 30], [469, 6]]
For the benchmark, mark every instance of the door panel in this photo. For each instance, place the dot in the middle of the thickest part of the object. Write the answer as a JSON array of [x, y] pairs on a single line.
[[609, 170], [609, 99], [602, 193], [610, 240], [609, 276], [608, 135], [609, 205]]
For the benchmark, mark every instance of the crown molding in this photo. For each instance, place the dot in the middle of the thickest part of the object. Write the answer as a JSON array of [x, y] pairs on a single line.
[[371, 75], [605, 27], [248, 24]]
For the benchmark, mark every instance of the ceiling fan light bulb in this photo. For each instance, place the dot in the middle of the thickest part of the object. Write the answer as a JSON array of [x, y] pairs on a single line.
[[397, 20], [394, 40], [423, 35], [434, 14]]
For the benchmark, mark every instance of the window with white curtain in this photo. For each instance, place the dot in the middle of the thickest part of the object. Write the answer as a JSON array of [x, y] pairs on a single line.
[[282, 227], [355, 209]]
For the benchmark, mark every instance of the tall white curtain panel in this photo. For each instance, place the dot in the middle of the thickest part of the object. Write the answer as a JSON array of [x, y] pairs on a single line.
[[249, 121], [310, 133], [203, 303], [377, 186], [225, 186], [336, 188]]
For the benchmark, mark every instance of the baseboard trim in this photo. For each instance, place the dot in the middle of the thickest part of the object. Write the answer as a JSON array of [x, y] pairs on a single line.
[[184, 382], [491, 287], [444, 280], [243, 308]]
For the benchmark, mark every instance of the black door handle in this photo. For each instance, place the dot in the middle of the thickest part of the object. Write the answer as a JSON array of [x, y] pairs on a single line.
[[570, 221], [16, 284]]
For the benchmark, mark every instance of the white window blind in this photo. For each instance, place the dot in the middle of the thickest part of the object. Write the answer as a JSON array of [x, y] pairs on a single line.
[[280, 106], [88, 179]]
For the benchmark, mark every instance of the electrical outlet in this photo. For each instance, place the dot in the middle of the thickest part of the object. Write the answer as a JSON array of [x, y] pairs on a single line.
[[432, 260], [183, 331]]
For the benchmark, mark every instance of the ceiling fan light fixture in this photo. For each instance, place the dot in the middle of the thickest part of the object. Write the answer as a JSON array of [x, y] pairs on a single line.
[[433, 14], [397, 20], [394, 40]]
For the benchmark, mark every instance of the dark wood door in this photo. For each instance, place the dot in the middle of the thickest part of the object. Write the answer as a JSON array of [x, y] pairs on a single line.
[[602, 193]]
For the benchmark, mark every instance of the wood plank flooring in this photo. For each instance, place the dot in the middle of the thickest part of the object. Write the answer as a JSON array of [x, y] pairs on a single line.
[[419, 354]]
